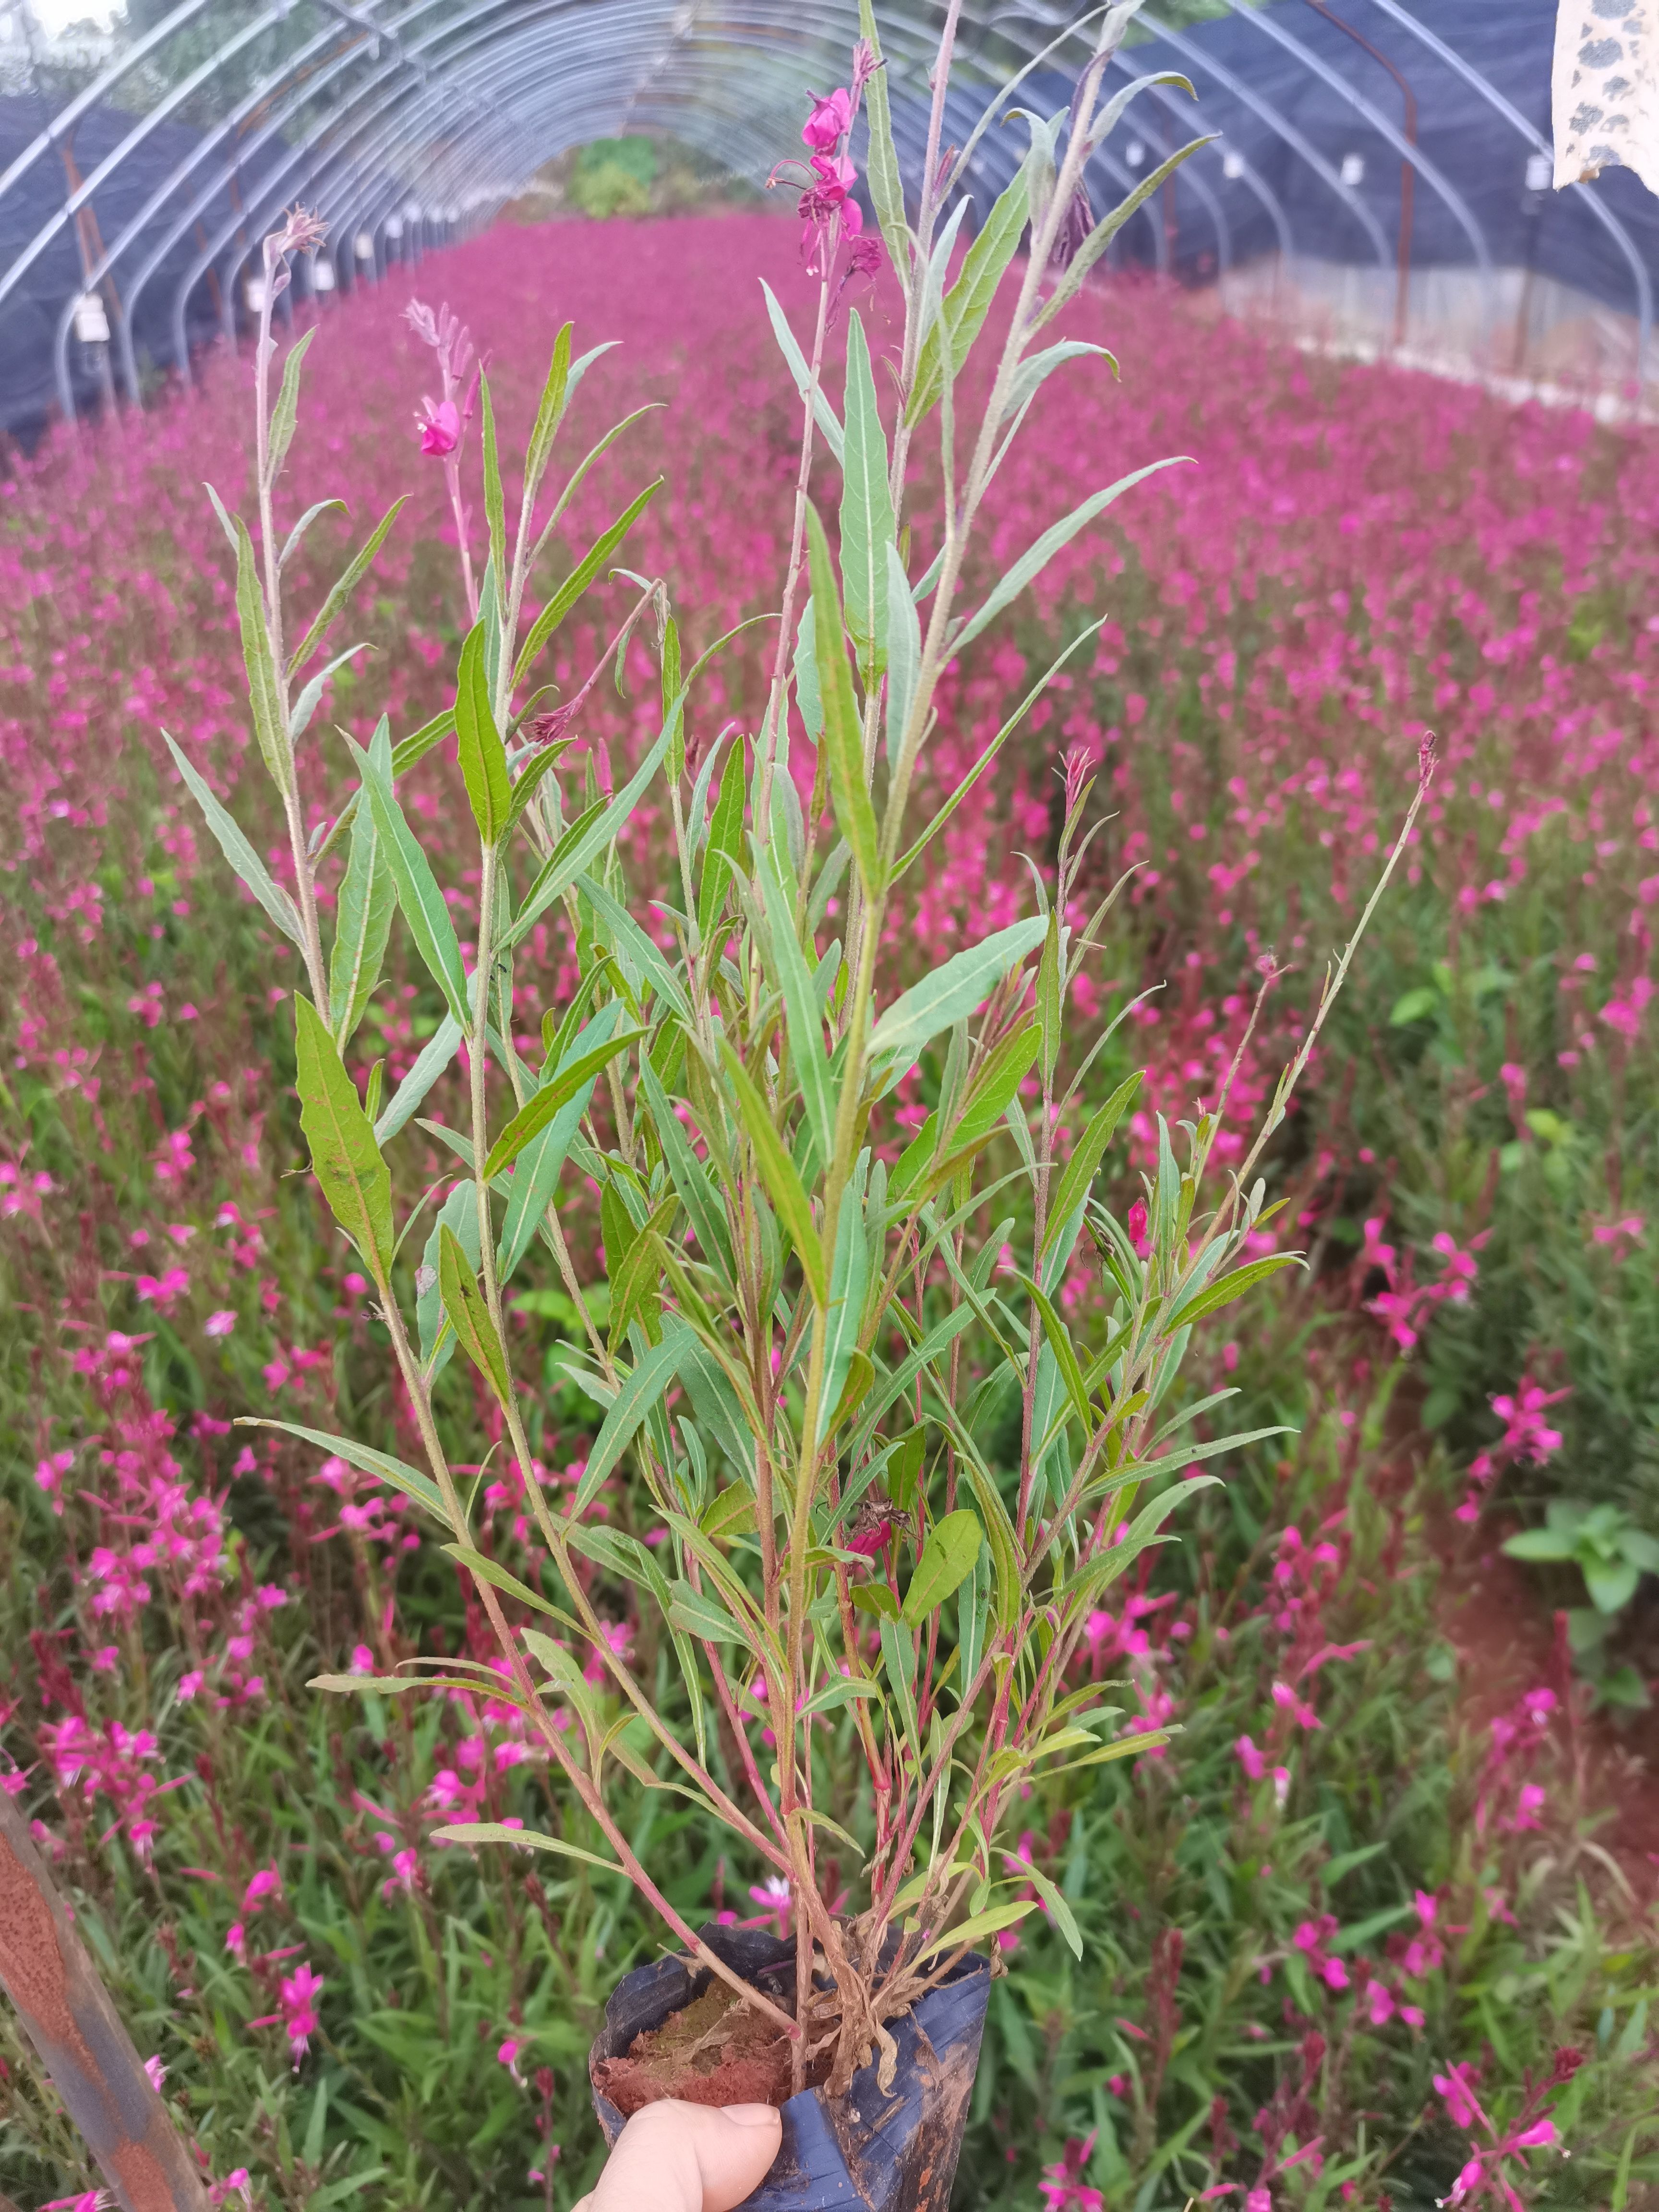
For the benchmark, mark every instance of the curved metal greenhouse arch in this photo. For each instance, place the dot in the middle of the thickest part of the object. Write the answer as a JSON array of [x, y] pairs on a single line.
[[417, 124]]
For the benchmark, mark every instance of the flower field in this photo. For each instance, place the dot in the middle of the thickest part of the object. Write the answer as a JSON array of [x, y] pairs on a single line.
[[1377, 1927]]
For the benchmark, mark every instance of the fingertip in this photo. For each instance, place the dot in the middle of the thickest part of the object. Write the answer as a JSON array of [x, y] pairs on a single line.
[[755, 2116]]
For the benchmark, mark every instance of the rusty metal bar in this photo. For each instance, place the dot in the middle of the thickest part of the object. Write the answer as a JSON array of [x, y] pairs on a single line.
[[69, 2018], [1402, 296]]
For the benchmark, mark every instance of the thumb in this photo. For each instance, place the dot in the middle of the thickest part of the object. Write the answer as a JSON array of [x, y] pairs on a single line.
[[675, 2157]]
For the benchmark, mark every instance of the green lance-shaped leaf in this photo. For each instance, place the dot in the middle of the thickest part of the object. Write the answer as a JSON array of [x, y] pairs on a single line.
[[993, 1091], [368, 898], [585, 837], [345, 1157], [1084, 1586], [1032, 563], [1064, 1919], [632, 1402], [482, 754], [866, 511], [948, 1557], [580, 578], [695, 1613], [261, 666], [366, 1461], [350, 576], [1004, 1546], [285, 415], [536, 1174], [903, 653], [549, 415], [881, 161], [801, 1013], [823, 413], [469, 1314], [459, 1216], [1047, 1001], [473, 1832], [780, 1175], [843, 733], [988, 1922], [538, 1111], [238, 851], [725, 843], [898, 1659], [808, 698], [848, 1279], [1107, 229], [424, 904], [1060, 1343], [953, 992], [408, 1098], [1069, 1193], [495, 504], [1216, 1294], [969, 300]]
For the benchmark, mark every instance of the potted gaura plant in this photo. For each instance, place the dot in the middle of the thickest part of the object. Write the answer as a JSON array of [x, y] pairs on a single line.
[[814, 1310]]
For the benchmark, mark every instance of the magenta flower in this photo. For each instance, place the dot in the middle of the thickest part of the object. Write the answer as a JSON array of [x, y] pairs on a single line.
[[299, 1998], [829, 122], [440, 427]]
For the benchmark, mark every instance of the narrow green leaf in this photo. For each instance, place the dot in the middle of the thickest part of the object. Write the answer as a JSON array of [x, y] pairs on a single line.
[[583, 839], [1217, 1294], [528, 781], [292, 543], [424, 904], [948, 1557], [1048, 1002], [823, 413], [903, 653], [459, 1215], [536, 1173], [472, 1832], [1107, 229], [1059, 1337], [419, 743], [629, 939], [848, 1279], [843, 732], [688, 1173], [549, 415], [1069, 1193], [780, 1175], [898, 1659], [1064, 1919], [238, 851], [285, 415], [482, 754], [988, 1922], [495, 505], [866, 512], [803, 1021], [350, 576], [566, 596], [694, 1613], [491, 1570], [257, 659], [407, 1099], [969, 300], [881, 161], [469, 1315], [534, 1115], [366, 1461], [344, 1156], [304, 707], [363, 925], [1005, 1547], [1032, 563], [951, 993], [641, 1391], [725, 843]]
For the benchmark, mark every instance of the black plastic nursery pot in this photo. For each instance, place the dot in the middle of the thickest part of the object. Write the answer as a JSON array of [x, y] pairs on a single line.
[[891, 2153]]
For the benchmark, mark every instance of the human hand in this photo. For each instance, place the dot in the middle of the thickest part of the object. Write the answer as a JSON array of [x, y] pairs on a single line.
[[675, 2157]]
